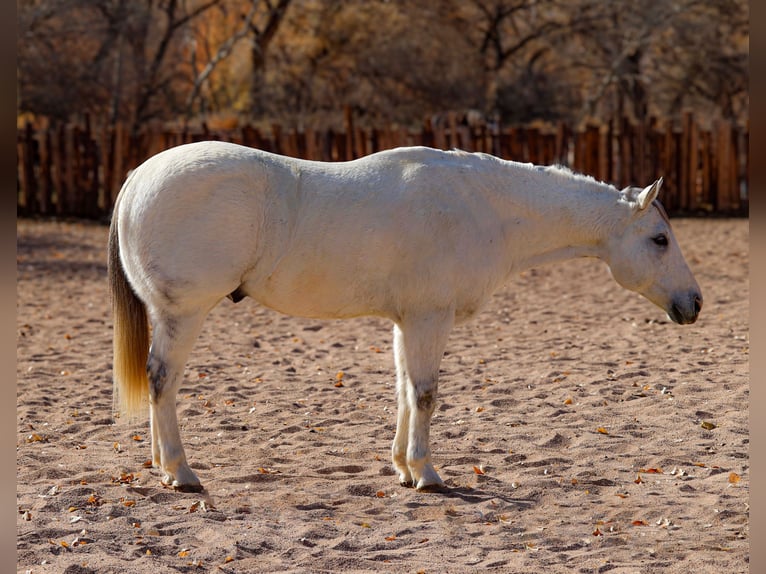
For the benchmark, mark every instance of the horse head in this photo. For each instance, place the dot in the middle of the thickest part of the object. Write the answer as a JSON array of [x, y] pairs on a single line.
[[643, 256]]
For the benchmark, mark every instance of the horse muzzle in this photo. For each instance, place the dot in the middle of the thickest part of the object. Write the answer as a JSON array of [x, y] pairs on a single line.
[[685, 310]]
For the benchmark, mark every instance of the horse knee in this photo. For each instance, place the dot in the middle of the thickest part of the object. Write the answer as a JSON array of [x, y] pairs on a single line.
[[424, 396], [426, 401]]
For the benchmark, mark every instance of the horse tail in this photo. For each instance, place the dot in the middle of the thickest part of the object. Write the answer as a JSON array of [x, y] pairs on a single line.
[[131, 334]]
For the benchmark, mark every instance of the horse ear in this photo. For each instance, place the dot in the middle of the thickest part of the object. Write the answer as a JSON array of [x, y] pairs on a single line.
[[648, 195]]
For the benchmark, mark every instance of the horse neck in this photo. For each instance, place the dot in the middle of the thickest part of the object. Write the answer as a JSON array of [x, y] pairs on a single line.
[[554, 217]]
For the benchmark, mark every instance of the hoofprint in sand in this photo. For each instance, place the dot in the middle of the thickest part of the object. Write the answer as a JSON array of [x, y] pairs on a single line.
[[576, 428]]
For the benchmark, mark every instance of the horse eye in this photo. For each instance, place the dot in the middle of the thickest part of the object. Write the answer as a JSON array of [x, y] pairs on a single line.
[[661, 240]]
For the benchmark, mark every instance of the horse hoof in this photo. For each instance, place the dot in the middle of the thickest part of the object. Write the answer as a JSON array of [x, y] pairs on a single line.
[[405, 478]]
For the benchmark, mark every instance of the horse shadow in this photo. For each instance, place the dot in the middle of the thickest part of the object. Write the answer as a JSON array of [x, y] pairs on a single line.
[[475, 495]]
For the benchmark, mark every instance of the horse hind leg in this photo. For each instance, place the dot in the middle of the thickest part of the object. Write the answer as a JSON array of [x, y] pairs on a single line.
[[172, 340]]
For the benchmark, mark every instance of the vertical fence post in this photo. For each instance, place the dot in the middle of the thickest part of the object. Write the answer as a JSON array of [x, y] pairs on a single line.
[[723, 181], [532, 137], [439, 137], [46, 185], [60, 160], [118, 162], [684, 184], [609, 161], [626, 153], [348, 126], [654, 149], [453, 139], [670, 187], [565, 139], [26, 157], [706, 170], [745, 165], [694, 190], [107, 174]]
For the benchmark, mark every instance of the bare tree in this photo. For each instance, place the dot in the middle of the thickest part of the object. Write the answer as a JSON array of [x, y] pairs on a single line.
[[261, 35], [657, 56], [706, 59], [392, 61], [55, 63], [155, 79], [223, 52], [389, 61], [511, 36], [93, 55]]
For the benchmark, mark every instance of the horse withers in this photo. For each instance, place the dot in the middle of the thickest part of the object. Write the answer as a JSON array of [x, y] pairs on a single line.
[[415, 235]]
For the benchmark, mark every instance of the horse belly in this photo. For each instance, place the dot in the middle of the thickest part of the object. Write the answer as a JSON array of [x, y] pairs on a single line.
[[322, 285], [386, 274]]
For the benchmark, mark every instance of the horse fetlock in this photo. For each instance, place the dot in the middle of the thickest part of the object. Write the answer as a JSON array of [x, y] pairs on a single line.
[[419, 472], [400, 465], [427, 477]]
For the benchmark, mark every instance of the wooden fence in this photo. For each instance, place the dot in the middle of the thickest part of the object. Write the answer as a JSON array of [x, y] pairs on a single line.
[[76, 169]]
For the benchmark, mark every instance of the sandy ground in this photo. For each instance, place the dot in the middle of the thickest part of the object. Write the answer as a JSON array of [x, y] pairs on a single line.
[[570, 431]]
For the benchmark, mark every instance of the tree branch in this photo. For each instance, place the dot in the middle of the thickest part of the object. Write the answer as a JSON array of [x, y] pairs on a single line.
[[223, 52]]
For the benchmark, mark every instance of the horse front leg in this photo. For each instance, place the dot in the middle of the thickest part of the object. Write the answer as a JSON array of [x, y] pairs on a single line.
[[172, 340], [423, 341], [401, 439]]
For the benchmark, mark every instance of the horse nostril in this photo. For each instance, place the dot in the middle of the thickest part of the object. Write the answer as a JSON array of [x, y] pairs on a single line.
[[697, 303]]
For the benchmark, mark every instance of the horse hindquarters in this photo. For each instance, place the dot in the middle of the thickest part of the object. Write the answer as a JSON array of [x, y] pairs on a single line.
[[154, 372]]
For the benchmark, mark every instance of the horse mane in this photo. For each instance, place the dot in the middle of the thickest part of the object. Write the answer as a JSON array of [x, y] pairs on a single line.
[[457, 152], [563, 172], [564, 175], [664, 214]]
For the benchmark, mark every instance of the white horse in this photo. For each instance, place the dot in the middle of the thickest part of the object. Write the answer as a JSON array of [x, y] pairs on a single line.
[[416, 235]]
